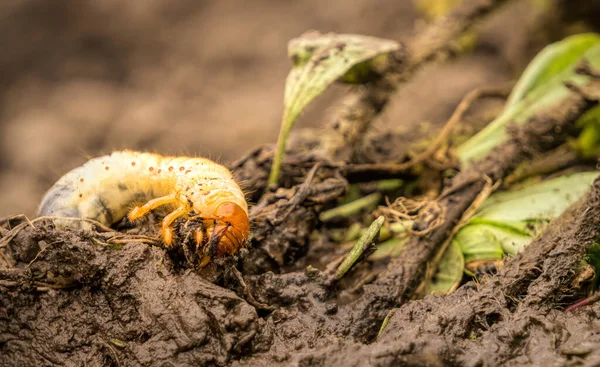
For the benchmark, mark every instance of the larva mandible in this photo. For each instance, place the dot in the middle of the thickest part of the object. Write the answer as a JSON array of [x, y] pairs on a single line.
[[104, 188]]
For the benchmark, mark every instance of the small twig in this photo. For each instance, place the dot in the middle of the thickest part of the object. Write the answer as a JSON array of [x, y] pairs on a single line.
[[43, 285], [11, 217], [42, 251], [4, 241], [303, 191], [5, 260], [8, 283], [125, 238]]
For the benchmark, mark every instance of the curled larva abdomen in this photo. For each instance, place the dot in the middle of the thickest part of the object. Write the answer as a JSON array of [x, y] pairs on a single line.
[[105, 188]]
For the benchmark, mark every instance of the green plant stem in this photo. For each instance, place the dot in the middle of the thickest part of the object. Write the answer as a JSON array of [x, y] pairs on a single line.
[[363, 244], [350, 208], [284, 133]]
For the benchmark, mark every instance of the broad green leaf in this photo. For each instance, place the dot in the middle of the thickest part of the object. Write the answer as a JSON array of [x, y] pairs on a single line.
[[545, 200], [552, 60], [481, 241], [318, 61], [507, 221], [449, 272], [542, 85]]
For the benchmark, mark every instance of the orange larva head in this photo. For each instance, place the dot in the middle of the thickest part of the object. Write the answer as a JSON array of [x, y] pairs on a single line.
[[230, 232]]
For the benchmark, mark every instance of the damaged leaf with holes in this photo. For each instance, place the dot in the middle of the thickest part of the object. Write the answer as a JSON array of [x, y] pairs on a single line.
[[318, 61]]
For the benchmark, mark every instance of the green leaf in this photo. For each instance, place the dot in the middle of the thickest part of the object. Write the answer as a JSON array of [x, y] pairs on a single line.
[[545, 200], [551, 61], [487, 242], [319, 60], [541, 85], [507, 221], [449, 272]]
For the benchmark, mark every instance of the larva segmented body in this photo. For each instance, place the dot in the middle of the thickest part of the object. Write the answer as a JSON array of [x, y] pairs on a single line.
[[105, 188]]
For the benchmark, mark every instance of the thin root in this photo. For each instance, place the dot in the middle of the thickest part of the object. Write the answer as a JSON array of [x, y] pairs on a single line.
[[415, 211]]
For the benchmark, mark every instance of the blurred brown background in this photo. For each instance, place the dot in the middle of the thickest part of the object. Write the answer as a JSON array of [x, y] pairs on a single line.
[[80, 79]]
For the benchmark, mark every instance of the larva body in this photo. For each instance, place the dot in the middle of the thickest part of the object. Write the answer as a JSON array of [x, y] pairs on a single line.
[[107, 187]]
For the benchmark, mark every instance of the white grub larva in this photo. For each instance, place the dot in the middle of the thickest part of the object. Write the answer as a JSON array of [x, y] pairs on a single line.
[[105, 189]]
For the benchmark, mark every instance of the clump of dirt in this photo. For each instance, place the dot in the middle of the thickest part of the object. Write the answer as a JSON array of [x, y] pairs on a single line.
[[86, 303]]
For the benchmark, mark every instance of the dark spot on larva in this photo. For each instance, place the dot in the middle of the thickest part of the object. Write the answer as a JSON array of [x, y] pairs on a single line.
[[107, 168], [181, 168], [170, 168], [80, 195], [104, 212], [133, 164], [81, 179], [151, 169], [159, 170], [188, 171], [122, 186]]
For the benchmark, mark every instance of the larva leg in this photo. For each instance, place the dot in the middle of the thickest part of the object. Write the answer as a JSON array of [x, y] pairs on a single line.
[[204, 260], [140, 211], [166, 231]]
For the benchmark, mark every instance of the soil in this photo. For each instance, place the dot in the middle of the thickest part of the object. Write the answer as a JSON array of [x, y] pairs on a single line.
[[207, 78]]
